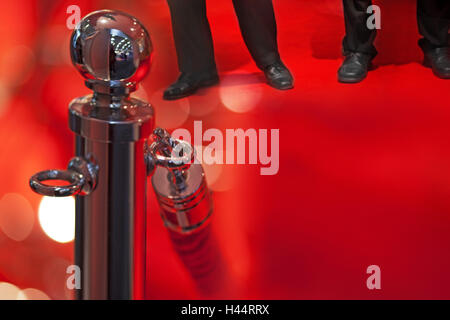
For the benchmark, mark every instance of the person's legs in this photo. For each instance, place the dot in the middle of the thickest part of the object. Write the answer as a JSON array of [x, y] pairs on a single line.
[[192, 35], [358, 43], [433, 18], [194, 46], [358, 37], [259, 30]]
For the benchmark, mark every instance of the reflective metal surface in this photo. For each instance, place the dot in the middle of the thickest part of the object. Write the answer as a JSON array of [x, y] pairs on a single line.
[[183, 210], [80, 176], [74, 179], [186, 207], [110, 232], [111, 49]]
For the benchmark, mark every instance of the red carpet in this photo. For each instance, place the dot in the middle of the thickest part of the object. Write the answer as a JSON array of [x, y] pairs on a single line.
[[364, 175]]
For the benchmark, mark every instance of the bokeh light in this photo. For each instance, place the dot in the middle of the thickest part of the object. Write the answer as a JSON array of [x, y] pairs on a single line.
[[9, 291], [16, 216], [169, 114], [220, 176], [4, 97], [54, 51], [57, 218], [16, 65], [141, 94], [223, 177], [212, 173], [32, 294], [240, 92], [201, 104]]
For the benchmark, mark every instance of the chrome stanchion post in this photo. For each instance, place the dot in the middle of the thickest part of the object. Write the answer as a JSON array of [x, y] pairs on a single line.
[[113, 159], [180, 185], [186, 207], [112, 50]]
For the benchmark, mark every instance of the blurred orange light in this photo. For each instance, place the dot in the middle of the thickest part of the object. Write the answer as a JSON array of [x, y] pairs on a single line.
[[57, 218], [16, 216], [9, 291]]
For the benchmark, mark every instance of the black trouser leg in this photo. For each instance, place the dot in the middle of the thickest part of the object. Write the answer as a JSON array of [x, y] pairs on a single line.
[[358, 37], [434, 21], [259, 29], [192, 36]]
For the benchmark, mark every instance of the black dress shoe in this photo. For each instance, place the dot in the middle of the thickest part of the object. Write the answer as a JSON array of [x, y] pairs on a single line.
[[439, 61], [187, 85], [354, 68], [278, 76]]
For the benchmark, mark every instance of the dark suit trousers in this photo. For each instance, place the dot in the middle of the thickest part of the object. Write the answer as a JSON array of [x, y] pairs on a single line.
[[433, 19], [193, 39]]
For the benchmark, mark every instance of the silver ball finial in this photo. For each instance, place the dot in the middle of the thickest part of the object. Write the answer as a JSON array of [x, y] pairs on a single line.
[[111, 49]]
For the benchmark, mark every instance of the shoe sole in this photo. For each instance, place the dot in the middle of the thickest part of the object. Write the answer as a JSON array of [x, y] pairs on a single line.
[[351, 80], [288, 87], [205, 84], [427, 64]]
